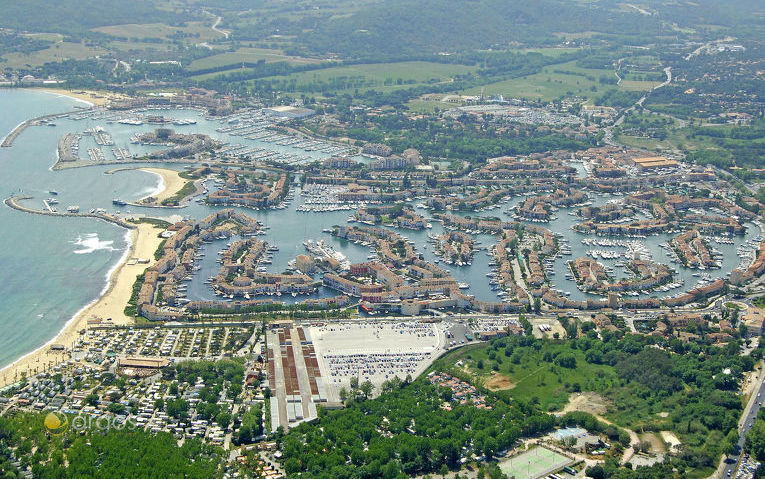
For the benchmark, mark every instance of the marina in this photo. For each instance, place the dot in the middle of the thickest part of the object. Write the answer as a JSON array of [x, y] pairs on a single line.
[[311, 208]]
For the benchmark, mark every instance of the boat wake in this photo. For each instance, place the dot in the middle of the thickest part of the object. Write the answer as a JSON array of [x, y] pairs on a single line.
[[90, 243]]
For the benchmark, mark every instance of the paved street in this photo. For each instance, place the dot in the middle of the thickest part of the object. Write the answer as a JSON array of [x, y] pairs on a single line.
[[750, 414]]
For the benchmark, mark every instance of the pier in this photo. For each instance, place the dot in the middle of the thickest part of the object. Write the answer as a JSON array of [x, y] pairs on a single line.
[[13, 202]]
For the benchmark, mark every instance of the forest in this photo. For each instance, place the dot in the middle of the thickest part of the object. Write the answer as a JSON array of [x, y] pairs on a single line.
[[406, 431], [113, 455], [75, 18]]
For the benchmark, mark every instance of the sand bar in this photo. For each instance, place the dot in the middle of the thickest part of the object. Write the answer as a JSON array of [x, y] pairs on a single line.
[[144, 241]]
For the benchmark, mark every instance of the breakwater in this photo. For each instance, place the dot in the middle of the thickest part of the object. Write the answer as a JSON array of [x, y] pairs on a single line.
[[8, 140], [13, 202]]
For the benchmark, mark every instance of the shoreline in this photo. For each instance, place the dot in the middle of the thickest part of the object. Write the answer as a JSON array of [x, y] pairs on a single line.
[[110, 303], [90, 97], [159, 189], [67, 94], [170, 183]]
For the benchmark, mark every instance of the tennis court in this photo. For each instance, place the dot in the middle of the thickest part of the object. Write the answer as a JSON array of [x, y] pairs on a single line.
[[534, 463]]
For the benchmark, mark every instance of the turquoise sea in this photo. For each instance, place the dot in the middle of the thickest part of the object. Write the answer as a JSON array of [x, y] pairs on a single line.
[[49, 267]]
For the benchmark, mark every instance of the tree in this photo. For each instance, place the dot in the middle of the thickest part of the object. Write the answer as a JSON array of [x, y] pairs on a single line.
[[730, 442], [755, 440], [223, 419], [566, 360], [245, 434], [177, 408], [292, 466], [596, 472], [366, 389]]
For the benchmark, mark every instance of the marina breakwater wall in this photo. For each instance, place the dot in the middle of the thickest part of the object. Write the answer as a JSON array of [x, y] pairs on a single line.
[[8, 140], [13, 202]]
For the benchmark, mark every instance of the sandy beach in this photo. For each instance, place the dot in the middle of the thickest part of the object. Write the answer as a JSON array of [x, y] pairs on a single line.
[[93, 97], [171, 184], [144, 242]]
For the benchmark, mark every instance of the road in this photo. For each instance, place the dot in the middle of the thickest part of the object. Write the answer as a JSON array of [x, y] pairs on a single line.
[[609, 135], [214, 26], [747, 419]]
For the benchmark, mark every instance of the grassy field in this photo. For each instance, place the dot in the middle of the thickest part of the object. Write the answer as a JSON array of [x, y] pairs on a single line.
[[55, 53], [554, 81], [160, 30], [128, 46], [554, 52], [380, 76], [251, 55], [528, 376], [51, 37], [429, 106], [634, 85]]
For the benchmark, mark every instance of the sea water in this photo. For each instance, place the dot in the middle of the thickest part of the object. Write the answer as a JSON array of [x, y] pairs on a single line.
[[49, 267]]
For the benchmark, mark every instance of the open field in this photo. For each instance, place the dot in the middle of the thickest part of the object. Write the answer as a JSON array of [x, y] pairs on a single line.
[[126, 46], [550, 52], [55, 53], [428, 106], [380, 76], [635, 85], [160, 30], [552, 82], [50, 37], [529, 377], [250, 55], [534, 463]]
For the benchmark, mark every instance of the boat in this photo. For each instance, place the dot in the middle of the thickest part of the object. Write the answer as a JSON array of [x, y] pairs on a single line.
[[463, 285], [53, 192], [52, 201], [73, 209], [119, 202]]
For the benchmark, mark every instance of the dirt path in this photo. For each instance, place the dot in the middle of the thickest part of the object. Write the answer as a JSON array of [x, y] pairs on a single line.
[[593, 404]]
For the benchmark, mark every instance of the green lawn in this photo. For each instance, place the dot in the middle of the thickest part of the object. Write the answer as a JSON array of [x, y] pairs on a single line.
[[380, 76], [554, 81], [160, 30], [428, 106], [250, 55], [531, 377], [636, 85], [55, 53]]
